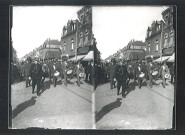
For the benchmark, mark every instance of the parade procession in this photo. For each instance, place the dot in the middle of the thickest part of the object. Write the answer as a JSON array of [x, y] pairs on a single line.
[[110, 68]]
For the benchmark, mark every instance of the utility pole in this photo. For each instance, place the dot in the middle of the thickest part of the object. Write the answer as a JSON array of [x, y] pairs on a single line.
[[161, 40], [76, 41], [49, 47]]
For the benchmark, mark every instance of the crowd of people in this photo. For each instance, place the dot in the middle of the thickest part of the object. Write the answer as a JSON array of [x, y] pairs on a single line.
[[35, 71], [119, 73]]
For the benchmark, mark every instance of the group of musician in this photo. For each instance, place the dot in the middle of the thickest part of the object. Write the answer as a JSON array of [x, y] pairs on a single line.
[[36, 70], [120, 72]]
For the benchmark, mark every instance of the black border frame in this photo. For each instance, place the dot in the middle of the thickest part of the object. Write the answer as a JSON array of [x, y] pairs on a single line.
[[4, 65]]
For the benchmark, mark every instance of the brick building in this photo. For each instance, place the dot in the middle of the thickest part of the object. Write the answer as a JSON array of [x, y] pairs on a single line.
[[135, 50], [77, 34], [49, 50], [160, 37]]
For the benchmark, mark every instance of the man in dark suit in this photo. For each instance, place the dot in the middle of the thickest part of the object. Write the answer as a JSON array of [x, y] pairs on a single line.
[[121, 77], [112, 73], [36, 75], [27, 71]]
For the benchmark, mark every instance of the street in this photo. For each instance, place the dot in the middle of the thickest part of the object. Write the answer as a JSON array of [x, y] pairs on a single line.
[[145, 108], [60, 107], [71, 107]]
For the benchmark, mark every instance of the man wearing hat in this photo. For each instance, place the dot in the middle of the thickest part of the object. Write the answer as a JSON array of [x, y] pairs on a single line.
[[112, 73], [27, 71], [36, 75], [121, 77]]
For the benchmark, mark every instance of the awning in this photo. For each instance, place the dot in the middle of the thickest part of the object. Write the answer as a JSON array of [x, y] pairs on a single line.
[[77, 58], [162, 59], [172, 58], [89, 56]]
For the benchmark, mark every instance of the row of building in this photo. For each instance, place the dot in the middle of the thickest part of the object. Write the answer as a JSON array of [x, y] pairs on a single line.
[[159, 41], [77, 39]]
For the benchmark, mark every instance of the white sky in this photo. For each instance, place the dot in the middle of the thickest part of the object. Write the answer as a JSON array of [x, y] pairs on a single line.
[[32, 25], [114, 27]]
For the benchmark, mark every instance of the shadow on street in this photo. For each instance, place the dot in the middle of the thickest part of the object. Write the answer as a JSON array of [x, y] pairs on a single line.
[[21, 107], [46, 86], [108, 108]]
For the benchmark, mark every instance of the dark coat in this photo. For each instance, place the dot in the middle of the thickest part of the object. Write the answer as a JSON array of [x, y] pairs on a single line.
[[121, 73], [172, 70], [36, 71], [27, 68], [88, 69], [113, 70]]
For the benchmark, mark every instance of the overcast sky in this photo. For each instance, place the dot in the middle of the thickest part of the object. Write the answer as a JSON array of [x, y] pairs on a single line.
[[32, 25], [113, 27]]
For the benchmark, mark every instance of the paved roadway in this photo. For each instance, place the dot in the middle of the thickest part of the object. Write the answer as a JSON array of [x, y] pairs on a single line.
[[60, 107], [72, 107], [145, 108]]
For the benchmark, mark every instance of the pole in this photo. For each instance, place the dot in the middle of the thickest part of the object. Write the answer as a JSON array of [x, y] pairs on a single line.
[[161, 40], [76, 41], [49, 47]]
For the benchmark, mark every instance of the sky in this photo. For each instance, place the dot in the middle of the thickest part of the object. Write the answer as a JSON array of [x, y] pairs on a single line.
[[115, 26], [32, 25]]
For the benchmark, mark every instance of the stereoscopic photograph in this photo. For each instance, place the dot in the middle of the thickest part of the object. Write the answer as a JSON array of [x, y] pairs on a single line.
[[92, 67]]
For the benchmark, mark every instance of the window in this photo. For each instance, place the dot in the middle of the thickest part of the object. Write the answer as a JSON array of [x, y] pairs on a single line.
[[157, 45], [148, 47], [64, 46], [166, 40], [72, 44], [81, 39], [150, 33]]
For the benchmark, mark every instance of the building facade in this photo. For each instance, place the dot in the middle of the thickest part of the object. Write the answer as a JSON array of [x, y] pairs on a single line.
[[135, 50], [77, 35], [50, 49], [160, 37]]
